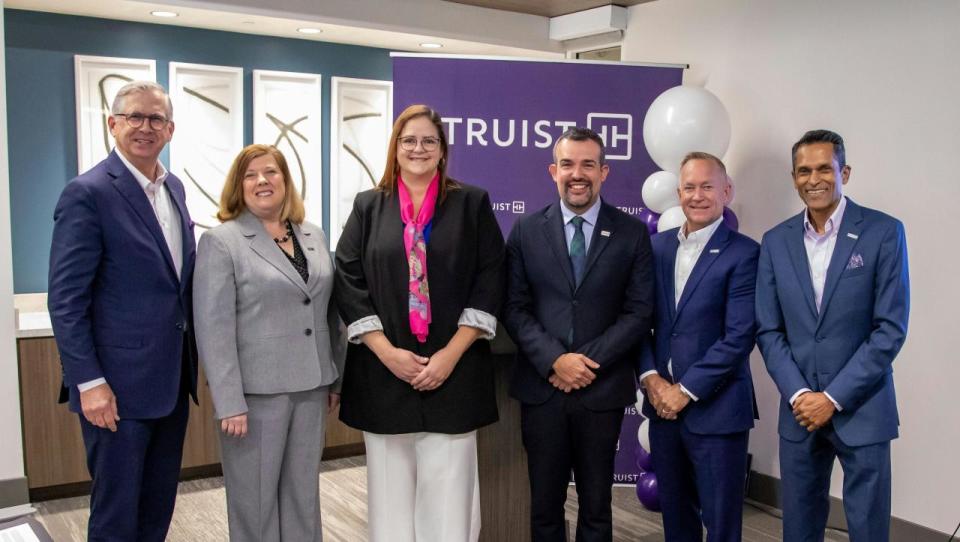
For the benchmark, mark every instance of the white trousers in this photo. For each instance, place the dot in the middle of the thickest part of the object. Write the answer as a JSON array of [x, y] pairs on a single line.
[[423, 487]]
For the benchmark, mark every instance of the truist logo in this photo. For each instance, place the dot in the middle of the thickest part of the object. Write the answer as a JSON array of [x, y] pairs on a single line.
[[616, 130]]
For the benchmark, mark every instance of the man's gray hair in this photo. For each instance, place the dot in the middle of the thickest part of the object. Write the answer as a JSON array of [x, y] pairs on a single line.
[[134, 87], [697, 155]]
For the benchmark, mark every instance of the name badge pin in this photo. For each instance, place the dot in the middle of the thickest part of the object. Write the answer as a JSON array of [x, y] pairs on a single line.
[[604, 233], [714, 251], [853, 236]]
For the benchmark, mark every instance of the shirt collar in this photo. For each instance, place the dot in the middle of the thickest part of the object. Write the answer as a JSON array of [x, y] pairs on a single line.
[[700, 236], [589, 216], [832, 224], [140, 177]]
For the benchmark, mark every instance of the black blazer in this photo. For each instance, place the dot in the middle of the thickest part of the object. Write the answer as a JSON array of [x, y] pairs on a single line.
[[610, 312], [465, 270]]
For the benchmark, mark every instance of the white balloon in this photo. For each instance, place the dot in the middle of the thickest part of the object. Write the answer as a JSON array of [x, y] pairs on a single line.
[[643, 435], [685, 119], [660, 191], [671, 218]]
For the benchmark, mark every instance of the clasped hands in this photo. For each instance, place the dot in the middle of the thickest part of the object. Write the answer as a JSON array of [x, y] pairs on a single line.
[[813, 409], [668, 399], [572, 371], [421, 372]]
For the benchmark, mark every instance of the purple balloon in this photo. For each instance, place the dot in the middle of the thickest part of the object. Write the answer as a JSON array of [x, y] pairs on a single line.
[[647, 491], [644, 460], [649, 218], [730, 219]]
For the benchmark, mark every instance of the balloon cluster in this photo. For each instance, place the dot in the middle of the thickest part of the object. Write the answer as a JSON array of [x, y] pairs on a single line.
[[681, 120], [647, 481]]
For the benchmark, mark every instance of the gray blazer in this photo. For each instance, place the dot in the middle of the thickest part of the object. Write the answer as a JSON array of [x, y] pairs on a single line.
[[260, 329]]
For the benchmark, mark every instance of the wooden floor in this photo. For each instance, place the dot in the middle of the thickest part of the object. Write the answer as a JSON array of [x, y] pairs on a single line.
[[201, 513]]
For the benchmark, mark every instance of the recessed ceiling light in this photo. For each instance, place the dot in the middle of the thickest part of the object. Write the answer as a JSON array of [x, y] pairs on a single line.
[[163, 13], [308, 30], [431, 45]]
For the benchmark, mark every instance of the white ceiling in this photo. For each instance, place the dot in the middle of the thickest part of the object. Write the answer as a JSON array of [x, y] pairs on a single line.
[[391, 24]]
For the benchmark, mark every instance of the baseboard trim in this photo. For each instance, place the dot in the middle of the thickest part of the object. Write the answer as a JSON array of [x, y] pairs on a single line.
[[765, 489], [14, 492], [344, 450]]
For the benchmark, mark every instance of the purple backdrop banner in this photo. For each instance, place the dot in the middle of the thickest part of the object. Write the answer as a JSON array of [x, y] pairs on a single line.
[[502, 118]]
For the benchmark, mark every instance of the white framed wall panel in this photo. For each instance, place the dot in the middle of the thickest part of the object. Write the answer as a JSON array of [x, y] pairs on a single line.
[[98, 78], [208, 134], [287, 114], [362, 113]]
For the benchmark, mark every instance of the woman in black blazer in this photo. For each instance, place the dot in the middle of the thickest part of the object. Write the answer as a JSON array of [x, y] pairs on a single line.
[[417, 381]]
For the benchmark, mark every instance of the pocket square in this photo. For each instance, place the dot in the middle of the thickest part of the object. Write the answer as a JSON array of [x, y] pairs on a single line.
[[856, 262]]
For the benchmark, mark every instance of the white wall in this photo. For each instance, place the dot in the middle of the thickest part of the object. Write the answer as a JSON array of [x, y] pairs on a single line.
[[884, 74], [11, 452]]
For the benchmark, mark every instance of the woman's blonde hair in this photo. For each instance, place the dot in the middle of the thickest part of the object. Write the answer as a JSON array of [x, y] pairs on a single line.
[[388, 183], [231, 199]]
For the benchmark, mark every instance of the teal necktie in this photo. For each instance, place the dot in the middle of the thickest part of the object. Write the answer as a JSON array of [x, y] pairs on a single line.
[[578, 249]]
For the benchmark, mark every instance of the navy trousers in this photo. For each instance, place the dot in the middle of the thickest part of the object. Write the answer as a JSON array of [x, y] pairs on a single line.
[[559, 435], [805, 469], [135, 473], [701, 481]]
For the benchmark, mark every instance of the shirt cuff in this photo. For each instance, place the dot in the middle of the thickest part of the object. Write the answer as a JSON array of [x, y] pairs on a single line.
[[799, 392], [688, 393], [90, 384], [485, 322], [362, 326], [645, 375], [834, 401]]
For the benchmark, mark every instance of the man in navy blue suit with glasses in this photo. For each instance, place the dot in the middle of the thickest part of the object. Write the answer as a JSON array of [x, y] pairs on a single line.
[[121, 266], [833, 298]]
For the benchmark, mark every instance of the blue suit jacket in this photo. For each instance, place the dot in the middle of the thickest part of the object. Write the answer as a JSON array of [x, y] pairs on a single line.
[[609, 312], [118, 309], [709, 334], [847, 349]]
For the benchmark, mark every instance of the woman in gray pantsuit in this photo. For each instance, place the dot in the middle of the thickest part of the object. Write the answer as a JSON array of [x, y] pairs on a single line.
[[270, 344]]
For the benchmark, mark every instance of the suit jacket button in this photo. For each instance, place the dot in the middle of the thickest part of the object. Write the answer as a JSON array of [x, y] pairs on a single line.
[[819, 339], [180, 325], [576, 303], [306, 301], [308, 332]]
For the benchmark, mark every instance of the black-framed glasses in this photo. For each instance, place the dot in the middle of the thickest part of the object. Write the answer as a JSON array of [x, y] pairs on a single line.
[[429, 144], [135, 120]]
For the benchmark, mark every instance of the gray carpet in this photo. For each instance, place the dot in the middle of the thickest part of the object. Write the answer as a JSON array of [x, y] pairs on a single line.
[[201, 513]]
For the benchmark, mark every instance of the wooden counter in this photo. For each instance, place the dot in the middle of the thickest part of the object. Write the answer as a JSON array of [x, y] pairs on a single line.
[[53, 447]]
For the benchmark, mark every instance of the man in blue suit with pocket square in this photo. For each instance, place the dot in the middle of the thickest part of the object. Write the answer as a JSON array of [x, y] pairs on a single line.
[[696, 370], [833, 298], [121, 267]]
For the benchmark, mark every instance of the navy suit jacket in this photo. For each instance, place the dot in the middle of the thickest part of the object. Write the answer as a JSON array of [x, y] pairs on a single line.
[[709, 334], [117, 307], [848, 348], [609, 312]]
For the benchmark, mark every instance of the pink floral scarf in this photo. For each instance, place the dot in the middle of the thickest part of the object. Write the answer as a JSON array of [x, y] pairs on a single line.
[[415, 247]]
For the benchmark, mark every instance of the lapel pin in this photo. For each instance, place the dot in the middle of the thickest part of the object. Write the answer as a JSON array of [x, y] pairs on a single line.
[[714, 251], [604, 233], [853, 236]]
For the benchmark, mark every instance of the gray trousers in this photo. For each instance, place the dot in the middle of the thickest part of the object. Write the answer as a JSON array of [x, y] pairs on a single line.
[[272, 474]]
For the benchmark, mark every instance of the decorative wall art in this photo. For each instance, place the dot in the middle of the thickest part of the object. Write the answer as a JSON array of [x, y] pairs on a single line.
[[208, 112], [98, 78], [362, 113], [287, 115]]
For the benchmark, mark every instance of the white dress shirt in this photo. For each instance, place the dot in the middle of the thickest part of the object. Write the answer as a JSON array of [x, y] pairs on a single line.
[[159, 197], [688, 252], [819, 252]]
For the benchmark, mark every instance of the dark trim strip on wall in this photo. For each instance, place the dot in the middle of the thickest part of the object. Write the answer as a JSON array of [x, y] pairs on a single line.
[[14, 492], [765, 489]]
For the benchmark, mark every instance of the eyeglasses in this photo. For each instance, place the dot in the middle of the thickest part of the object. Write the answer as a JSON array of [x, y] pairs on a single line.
[[429, 144], [135, 120]]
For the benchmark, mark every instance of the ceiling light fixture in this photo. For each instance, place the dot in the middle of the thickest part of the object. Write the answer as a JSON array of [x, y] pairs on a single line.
[[164, 14], [308, 30], [431, 45]]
